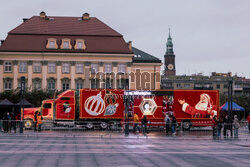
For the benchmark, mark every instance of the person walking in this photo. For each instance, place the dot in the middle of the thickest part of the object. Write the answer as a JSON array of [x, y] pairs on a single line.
[[144, 124], [236, 126], [248, 120], [13, 122], [136, 123], [214, 121], [225, 122], [35, 120], [39, 121], [167, 123], [173, 124], [8, 122], [219, 125]]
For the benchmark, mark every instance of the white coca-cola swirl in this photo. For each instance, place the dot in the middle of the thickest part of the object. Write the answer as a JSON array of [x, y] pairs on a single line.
[[94, 105]]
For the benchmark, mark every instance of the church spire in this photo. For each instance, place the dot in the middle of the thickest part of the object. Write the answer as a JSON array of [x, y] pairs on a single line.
[[169, 44]]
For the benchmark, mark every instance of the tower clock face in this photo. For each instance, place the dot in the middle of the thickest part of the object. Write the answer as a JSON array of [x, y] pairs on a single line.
[[170, 66]]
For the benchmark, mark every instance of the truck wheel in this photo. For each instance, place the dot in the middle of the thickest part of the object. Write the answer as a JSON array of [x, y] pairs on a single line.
[[28, 123], [186, 125], [104, 125], [89, 125]]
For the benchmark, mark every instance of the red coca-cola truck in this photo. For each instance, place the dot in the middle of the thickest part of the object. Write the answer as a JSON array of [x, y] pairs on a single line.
[[104, 106]]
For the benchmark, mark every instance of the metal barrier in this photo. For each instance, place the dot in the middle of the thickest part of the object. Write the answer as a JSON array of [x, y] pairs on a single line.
[[156, 129]]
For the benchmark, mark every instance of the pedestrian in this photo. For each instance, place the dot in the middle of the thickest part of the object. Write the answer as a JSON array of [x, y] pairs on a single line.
[[39, 121], [144, 124], [5, 122], [136, 123], [236, 126], [167, 123], [35, 120], [13, 121], [214, 121], [219, 125], [173, 124], [248, 120], [230, 126], [227, 126], [8, 122]]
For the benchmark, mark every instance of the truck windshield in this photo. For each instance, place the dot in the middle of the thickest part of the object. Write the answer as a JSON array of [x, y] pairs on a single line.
[[47, 105]]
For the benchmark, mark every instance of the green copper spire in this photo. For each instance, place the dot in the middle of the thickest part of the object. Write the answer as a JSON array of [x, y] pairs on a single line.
[[169, 44]]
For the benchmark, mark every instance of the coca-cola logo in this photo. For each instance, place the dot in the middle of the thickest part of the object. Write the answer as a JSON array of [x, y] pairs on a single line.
[[95, 105]]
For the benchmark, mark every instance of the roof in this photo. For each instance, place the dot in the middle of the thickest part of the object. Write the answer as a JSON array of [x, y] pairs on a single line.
[[143, 57], [25, 103], [6, 102], [64, 26], [32, 35], [235, 107]]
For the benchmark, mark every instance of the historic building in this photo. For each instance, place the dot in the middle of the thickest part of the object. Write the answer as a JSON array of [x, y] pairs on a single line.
[[169, 58], [60, 53], [217, 81]]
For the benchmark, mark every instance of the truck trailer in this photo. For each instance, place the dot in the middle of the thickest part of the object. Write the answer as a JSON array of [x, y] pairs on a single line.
[[103, 107]]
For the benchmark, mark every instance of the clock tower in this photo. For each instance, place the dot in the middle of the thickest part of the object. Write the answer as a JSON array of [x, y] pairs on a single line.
[[169, 58]]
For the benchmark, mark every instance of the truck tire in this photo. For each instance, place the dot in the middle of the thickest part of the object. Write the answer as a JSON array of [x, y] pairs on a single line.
[[90, 125], [103, 125], [28, 123], [186, 125]]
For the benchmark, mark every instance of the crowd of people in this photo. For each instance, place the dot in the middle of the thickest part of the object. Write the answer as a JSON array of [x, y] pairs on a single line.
[[230, 126], [221, 126], [8, 122]]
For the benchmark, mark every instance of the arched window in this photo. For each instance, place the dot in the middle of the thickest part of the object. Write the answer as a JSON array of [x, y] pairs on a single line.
[[65, 84], [79, 83], [7, 83], [36, 83], [51, 84], [94, 83]]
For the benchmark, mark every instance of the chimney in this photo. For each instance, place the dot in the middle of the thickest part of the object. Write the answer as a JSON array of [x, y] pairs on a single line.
[[25, 19], [85, 16], [130, 45], [2, 41], [43, 15]]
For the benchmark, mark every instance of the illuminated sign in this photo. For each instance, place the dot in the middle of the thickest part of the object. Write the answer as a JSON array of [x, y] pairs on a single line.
[[148, 106]]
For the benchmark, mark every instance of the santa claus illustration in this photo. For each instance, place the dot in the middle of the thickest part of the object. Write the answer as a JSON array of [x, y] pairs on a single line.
[[203, 109]]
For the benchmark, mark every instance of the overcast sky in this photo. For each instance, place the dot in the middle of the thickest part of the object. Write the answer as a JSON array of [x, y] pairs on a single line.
[[208, 35]]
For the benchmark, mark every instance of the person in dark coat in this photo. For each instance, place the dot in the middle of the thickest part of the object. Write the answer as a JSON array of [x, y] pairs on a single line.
[[219, 125], [225, 122], [35, 122], [13, 122], [214, 121], [173, 124], [144, 124]]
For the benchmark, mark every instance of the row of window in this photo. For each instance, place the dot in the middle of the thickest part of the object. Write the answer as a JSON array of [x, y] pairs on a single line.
[[65, 67], [66, 44], [51, 84], [218, 86]]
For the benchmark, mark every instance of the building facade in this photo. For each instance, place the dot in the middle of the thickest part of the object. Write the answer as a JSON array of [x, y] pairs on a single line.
[[217, 81], [60, 53]]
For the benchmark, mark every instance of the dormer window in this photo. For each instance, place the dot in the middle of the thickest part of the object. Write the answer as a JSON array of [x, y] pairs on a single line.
[[80, 44], [51, 44], [66, 44]]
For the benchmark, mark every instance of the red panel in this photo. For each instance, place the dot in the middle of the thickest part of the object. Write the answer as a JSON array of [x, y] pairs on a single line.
[[105, 104], [65, 106], [192, 98]]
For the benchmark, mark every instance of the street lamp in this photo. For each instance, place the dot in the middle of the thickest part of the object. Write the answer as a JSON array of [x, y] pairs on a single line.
[[22, 103]]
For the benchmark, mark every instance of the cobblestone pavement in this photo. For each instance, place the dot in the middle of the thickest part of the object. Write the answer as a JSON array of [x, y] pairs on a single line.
[[48, 150]]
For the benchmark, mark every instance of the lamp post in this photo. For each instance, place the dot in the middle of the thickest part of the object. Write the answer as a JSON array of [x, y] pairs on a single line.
[[22, 103], [126, 104], [230, 98]]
